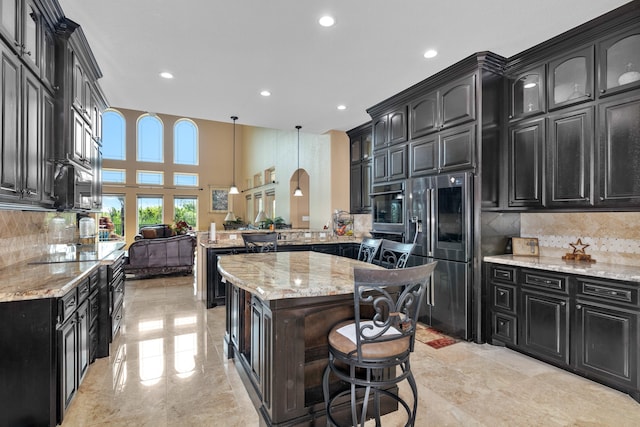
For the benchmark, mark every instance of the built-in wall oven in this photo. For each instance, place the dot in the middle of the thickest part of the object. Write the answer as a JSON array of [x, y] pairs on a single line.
[[388, 211]]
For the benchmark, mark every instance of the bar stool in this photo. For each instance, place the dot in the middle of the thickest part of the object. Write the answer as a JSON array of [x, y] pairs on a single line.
[[371, 352], [260, 242], [394, 254], [368, 249]]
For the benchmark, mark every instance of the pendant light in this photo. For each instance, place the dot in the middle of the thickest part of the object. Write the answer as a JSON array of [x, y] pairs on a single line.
[[298, 191], [234, 189]]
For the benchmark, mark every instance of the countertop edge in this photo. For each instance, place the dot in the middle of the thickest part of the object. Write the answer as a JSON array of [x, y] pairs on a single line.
[[621, 272]]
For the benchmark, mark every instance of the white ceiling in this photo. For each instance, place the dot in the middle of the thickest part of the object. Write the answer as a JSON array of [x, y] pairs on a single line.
[[224, 52]]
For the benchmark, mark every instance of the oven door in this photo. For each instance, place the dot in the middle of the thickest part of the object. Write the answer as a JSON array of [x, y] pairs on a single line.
[[387, 208]]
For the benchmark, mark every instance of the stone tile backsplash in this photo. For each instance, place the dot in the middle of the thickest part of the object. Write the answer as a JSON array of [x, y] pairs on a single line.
[[23, 235], [613, 237]]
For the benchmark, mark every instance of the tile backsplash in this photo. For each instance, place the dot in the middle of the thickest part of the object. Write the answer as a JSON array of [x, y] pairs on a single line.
[[613, 237], [23, 235]]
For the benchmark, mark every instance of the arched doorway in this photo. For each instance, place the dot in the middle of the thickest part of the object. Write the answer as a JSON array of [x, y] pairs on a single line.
[[299, 205]]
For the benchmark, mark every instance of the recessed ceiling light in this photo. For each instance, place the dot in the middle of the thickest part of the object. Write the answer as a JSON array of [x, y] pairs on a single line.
[[342, 107], [166, 75], [327, 21], [431, 53], [265, 93]]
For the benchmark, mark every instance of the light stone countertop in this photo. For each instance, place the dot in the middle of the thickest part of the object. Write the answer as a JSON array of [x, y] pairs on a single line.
[[26, 281], [606, 271], [290, 238], [281, 275]]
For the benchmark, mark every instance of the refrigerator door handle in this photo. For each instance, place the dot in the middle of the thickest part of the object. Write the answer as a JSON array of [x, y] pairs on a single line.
[[431, 209]]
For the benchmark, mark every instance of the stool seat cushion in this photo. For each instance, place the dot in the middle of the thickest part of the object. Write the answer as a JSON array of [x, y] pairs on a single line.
[[344, 342]]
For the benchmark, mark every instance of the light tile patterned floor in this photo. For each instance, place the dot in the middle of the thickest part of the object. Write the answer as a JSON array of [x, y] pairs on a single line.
[[167, 369]]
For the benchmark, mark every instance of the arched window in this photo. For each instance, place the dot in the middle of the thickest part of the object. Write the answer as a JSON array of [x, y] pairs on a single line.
[[150, 139], [185, 142], [113, 135]]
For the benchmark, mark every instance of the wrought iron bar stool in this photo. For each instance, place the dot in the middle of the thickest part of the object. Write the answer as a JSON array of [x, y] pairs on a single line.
[[368, 249], [260, 242], [394, 254], [371, 352]]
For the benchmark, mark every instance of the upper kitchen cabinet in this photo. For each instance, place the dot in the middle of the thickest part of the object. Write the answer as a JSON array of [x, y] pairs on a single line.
[[526, 146], [571, 79], [452, 104], [360, 179], [619, 152], [390, 128], [619, 62], [527, 93]]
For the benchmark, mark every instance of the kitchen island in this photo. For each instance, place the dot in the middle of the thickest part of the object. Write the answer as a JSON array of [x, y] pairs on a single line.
[[280, 308]]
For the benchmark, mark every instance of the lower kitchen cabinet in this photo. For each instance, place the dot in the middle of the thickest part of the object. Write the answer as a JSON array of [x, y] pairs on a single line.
[[589, 326]]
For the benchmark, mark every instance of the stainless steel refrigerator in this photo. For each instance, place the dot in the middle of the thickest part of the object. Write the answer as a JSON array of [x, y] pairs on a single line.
[[439, 221]]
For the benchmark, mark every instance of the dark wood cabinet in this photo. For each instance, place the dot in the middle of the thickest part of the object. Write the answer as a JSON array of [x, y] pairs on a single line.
[[390, 128], [619, 62], [587, 325], [361, 168], [10, 97], [423, 156], [570, 79], [456, 147], [526, 143], [390, 164], [527, 93], [569, 158], [619, 152]]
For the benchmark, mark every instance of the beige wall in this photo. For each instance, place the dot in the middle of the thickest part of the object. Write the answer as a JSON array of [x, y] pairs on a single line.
[[325, 158]]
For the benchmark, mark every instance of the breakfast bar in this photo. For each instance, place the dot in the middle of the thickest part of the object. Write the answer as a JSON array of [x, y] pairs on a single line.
[[280, 309]]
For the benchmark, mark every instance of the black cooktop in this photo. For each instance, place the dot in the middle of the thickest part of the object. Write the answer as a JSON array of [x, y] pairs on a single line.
[[71, 253]]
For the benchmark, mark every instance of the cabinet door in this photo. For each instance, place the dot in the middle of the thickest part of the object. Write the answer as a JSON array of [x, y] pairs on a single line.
[[32, 150], [236, 311], [255, 356], [96, 189], [9, 123], [527, 93], [355, 185], [380, 132], [30, 21], [544, 325], [457, 148], [525, 164], [48, 141], [380, 159], [571, 79], [78, 85], [9, 20], [398, 162], [83, 339], [67, 370], [619, 153], [366, 186], [48, 56], [397, 126], [423, 156], [356, 148], [569, 159], [78, 138], [607, 343], [619, 62], [424, 115], [458, 102]]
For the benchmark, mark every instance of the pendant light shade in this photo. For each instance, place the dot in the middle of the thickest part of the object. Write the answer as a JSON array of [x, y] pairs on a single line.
[[234, 188], [230, 217], [298, 192]]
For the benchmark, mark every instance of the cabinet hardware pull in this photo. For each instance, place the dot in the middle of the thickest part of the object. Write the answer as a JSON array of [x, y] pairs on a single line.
[[563, 303], [578, 307], [588, 95], [603, 90]]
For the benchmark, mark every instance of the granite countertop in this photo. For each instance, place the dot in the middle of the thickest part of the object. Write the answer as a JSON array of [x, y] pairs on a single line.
[[29, 280], [606, 271], [233, 239], [280, 275]]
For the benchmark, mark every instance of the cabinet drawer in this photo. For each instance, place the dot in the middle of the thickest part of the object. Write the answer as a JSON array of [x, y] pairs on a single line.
[[116, 320], [504, 274], [117, 294], [67, 305], [504, 297], [544, 280], [608, 291], [94, 307], [504, 328], [83, 290]]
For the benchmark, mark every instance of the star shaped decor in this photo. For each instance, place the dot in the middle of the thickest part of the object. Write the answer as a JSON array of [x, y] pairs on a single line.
[[578, 253], [579, 247]]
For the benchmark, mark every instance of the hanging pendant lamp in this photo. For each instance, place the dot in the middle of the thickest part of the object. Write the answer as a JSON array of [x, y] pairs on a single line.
[[298, 192], [234, 189]]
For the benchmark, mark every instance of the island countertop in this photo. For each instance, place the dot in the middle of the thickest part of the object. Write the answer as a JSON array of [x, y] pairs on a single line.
[[628, 273], [281, 275]]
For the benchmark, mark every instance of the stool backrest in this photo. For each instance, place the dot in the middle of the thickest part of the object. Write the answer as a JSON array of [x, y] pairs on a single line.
[[394, 254], [260, 242], [387, 305], [368, 249]]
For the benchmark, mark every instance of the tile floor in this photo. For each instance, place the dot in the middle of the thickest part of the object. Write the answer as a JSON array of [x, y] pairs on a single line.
[[167, 369]]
